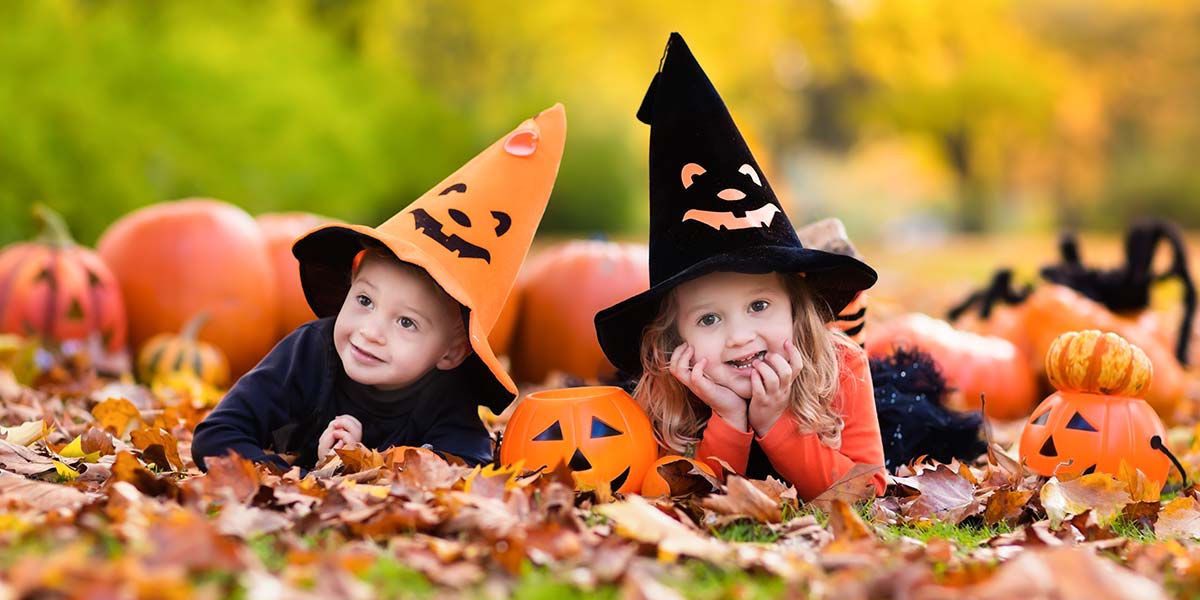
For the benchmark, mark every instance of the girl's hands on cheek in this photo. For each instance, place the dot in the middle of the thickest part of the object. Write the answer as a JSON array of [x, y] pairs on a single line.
[[720, 399], [342, 431], [771, 385]]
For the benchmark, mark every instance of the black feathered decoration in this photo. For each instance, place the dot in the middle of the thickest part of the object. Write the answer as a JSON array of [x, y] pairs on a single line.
[[909, 390]]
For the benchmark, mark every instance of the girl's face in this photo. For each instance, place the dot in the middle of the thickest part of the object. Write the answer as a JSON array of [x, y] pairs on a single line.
[[395, 326], [733, 320]]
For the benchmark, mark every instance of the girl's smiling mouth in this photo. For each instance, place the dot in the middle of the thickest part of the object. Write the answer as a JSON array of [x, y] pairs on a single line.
[[746, 361]]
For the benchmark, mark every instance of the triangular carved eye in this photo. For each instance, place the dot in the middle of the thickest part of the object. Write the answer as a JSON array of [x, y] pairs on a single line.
[[551, 434], [601, 429], [1080, 423], [1041, 419]]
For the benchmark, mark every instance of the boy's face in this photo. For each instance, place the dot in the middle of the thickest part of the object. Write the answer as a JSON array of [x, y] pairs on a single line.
[[733, 320], [396, 325]]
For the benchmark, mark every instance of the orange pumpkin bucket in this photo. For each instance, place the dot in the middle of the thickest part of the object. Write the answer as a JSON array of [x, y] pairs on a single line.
[[599, 432]]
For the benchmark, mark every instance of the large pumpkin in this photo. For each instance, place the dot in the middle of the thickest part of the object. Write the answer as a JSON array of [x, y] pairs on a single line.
[[1089, 431], [169, 353], [177, 259], [55, 289], [600, 433], [279, 230], [971, 363], [561, 293]]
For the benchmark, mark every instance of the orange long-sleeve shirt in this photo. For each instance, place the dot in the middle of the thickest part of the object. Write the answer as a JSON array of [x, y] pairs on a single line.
[[803, 459]]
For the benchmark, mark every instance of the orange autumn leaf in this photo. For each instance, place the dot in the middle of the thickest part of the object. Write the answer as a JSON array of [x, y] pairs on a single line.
[[1100, 493], [743, 498], [158, 446], [1179, 519], [118, 415]]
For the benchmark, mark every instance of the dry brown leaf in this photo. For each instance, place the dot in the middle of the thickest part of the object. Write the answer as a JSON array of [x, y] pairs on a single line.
[[1056, 573], [230, 475], [126, 467], [118, 415], [96, 440], [19, 492], [22, 460], [1006, 505], [944, 495], [1139, 487], [852, 487], [247, 521], [845, 522], [686, 479], [743, 498], [26, 433], [158, 447], [636, 519], [1101, 493], [1179, 519]]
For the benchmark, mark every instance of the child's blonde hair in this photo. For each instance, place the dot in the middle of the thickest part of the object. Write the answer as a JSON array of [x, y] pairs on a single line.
[[678, 416]]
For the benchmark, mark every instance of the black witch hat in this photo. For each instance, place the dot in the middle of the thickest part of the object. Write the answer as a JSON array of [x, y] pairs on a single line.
[[711, 209]]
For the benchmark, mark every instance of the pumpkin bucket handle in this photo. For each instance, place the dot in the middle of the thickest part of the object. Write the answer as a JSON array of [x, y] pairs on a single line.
[[1157, 444]]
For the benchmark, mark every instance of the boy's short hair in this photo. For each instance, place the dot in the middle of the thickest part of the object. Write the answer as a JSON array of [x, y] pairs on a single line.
[[374, 250]]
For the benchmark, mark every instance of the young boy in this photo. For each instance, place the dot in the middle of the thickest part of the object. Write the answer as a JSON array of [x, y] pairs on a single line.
[[399, 355]]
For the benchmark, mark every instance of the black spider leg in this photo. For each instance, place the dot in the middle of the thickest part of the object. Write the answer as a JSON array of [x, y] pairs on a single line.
[[1157, 444], [1140, 248], [999, 291]]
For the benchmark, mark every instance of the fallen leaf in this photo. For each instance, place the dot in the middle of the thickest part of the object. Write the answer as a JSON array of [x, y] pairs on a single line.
[[75, 450], [16, 491], [743, 498], [1099, 492], [167, 455], [22, 460], [118, 415], [944, 495], [26, 433], [247, 521], [1063, 572], [1179, 519], [1140, 488], [845, 522], [1006, 506], [852, 487], [636, 519]]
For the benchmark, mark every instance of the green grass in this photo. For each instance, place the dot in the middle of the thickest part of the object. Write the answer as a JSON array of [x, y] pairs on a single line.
[[744, 531], [966, 536], [1128, 529]]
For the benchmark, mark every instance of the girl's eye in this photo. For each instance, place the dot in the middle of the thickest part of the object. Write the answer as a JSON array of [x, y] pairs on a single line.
[[708, 320], [364, 301], [759, 305], [407, 323]]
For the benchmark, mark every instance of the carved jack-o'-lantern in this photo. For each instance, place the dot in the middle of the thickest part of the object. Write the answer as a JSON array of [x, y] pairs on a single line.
[[437, 231], [723, 198], [600, 433], [1083, 429]]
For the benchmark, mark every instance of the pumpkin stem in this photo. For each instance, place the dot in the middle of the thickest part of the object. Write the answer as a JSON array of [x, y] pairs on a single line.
[[1157, 444], [53, 228], [193, 326]]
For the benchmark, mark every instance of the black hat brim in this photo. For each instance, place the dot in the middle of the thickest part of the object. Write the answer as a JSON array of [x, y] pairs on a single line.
[[834, 279]]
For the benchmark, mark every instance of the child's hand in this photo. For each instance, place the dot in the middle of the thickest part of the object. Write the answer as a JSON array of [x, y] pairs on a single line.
[[342, 431], [771, 385], [722, 400]]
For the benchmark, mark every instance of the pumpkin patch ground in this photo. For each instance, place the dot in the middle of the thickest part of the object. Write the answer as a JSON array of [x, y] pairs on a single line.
[[101, 499]]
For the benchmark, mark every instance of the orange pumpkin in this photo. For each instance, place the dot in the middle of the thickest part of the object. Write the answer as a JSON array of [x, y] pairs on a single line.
[[280, 230], [1097, 363], [656, 485], [562, 291], [973, 364], [58, 290], [1090, 431], [1054, 309], [599, 433], [168, 353], [177, 259]]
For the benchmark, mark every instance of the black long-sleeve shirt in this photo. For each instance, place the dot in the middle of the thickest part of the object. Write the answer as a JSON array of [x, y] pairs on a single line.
[[286, 402]]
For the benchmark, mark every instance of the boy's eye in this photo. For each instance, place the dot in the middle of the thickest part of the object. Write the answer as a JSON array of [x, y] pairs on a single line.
[[363, 300], [708, 320], [407, 323], [759, 305]]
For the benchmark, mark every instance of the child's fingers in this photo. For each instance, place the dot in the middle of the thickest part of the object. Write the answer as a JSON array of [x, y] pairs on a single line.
[[782, 368], [767, 375], [757, 389], [678, 365], [795, 357]]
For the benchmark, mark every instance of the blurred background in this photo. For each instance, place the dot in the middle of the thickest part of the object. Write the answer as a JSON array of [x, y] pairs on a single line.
[[908, 120]]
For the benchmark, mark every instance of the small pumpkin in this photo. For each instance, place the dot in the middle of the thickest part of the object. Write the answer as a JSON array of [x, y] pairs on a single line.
[[1079, 431], [971, 363], [599, 433], [656, 485], [561, 292], [169, 354], [176, 259], [58, 290], [1097, 363]]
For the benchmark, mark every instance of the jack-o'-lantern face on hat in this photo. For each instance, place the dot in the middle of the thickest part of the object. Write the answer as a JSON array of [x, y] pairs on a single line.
[[727, 200], [439, 231]]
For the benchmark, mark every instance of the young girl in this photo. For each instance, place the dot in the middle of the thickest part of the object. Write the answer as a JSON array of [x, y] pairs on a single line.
[[729, 345]]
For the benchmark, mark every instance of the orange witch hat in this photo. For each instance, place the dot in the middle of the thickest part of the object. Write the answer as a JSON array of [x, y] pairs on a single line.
[[471, 232]]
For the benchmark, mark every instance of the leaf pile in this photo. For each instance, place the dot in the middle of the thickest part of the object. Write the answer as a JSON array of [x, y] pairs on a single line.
[[101, 499]]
